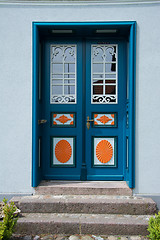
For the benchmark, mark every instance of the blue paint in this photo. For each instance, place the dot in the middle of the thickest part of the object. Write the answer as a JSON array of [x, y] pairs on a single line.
[[125, 174], [118, 132], [36, 171], [49, 170]]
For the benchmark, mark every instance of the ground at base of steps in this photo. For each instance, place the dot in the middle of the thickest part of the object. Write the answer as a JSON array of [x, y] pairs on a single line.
[[75, 237]]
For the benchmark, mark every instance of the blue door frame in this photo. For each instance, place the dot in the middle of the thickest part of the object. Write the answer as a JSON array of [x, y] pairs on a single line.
[[130, 31]]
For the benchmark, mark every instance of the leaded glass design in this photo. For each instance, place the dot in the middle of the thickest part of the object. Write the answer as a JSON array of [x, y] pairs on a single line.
[[63, 74], [104, 74]]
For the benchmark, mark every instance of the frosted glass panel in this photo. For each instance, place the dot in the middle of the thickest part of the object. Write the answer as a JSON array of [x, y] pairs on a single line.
[[63, 74]]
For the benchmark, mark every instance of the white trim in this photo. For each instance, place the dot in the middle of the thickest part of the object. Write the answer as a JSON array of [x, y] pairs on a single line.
[[78, 2]]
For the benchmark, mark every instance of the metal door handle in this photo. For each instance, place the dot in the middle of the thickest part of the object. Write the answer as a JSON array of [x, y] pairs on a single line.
[[42, 121], [88, 122]]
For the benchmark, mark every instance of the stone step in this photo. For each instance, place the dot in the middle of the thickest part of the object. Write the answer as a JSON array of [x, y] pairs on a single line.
[[103, 224], [98, 204], [83, 188]]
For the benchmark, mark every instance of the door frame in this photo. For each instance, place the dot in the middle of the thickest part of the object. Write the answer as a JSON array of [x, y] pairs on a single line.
[[130, 28]]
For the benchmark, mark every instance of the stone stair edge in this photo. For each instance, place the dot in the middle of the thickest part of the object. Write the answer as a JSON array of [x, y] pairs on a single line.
[[83, 198], [85, 223]]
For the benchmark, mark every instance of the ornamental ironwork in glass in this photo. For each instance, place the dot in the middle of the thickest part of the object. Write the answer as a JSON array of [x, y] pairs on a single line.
[[63, 74], [104, 74]]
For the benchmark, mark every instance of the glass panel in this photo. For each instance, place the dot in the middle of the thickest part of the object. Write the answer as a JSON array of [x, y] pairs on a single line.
[[57, 54], [69, 54], [69, 89], [95, 81], [57, 89], [110, 89], [57, 67], [98, 67], [69, 75], [69, 81], [98, 75], [59, 81], [98, 54], [110, 67], [110, 81], [63, 74], [98, 89], [110, 53], [69, 67], [110, 76], [104, 71], [57, 76]]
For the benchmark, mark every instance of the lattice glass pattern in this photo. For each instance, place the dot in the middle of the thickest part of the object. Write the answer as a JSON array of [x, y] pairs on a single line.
[[104, 74], [63, 74]]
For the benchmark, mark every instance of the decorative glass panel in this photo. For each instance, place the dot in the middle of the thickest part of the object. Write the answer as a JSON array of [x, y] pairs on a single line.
[[105, 119], [105, 151], [63, 74], [62, 151], [63, 119], [104, 73]]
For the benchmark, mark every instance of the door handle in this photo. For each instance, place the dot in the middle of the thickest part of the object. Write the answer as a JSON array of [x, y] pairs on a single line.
[[42, 121], [88, 122]]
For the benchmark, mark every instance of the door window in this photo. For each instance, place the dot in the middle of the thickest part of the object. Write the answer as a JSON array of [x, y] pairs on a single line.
[[63, 74], [104, 73]]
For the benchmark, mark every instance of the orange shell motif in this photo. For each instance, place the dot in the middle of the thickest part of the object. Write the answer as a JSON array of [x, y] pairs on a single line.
[[104, 151], [63, 151], [63, 119], [104, 119]]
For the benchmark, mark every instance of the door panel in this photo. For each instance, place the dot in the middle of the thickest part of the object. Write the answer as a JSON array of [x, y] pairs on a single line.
[[83, 80], [107, 107], [62, 107]]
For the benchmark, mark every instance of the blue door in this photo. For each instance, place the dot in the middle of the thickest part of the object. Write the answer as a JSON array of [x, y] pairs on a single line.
[[84, 108]]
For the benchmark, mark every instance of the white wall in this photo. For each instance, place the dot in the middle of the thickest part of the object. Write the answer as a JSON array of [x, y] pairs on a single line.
[[16, 86]]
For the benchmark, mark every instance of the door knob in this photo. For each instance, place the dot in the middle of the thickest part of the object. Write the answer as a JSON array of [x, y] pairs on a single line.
[[88, 122], [42, 121]]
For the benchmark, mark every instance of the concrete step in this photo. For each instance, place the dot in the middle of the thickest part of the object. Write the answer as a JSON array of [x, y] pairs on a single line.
[[83, 188], [98, 204], [103, 224]]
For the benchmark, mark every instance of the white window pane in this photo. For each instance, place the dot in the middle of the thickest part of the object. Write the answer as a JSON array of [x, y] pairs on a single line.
[[57, 68], [97, 67], [69, 89], [56, 90]]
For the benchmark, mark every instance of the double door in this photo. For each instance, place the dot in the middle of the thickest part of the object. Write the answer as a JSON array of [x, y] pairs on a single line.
[[84, 105]]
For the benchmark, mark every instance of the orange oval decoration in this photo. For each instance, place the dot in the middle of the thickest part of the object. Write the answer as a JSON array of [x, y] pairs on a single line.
[[63, 151], [104, 151]]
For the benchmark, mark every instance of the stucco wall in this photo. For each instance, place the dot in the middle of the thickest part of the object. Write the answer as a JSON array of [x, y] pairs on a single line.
[[16, 86]]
